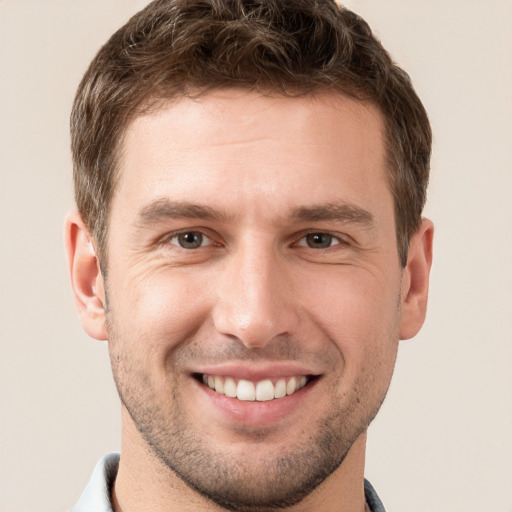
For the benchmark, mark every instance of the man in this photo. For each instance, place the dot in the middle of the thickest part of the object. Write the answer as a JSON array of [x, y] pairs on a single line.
[[250, 178]]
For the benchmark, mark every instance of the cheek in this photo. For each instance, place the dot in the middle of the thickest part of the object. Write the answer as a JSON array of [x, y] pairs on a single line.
[[359, 312], [159, 311]]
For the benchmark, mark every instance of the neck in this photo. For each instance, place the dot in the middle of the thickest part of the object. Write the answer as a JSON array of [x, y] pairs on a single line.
[[144, 483]]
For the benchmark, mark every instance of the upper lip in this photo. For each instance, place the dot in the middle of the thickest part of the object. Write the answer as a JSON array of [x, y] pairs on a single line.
[[255, 372]]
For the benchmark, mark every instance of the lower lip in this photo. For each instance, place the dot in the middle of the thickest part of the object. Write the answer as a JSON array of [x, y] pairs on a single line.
[[257, 413]]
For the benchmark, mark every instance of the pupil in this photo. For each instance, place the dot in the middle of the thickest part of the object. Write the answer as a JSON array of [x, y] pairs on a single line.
[[319, 240], [190, 240]]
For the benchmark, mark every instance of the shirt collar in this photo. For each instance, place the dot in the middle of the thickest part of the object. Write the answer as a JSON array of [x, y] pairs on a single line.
[[96, 495]]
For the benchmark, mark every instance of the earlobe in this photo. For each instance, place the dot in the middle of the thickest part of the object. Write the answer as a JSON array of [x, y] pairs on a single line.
[[86, 278], [415, 280]]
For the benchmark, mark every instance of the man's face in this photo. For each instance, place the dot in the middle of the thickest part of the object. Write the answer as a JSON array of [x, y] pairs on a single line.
[[252, 247]]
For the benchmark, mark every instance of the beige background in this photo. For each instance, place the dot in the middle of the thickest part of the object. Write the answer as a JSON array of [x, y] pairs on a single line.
[[443, 440]]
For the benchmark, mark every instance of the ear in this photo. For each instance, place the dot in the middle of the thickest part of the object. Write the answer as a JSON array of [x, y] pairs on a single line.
[[86, 278], [415, 280]]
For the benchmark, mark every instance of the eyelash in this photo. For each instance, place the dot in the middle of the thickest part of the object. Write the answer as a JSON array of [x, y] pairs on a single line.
[[303, 241], [175, 236]]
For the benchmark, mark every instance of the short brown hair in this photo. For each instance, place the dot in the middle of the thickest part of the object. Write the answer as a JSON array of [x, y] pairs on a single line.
[[289, 47]]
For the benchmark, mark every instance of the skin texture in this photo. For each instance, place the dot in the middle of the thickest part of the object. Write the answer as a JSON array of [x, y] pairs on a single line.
[[253, 176]]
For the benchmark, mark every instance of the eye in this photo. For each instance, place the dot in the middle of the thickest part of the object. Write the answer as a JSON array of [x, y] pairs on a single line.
[[319, 240], [190, 240]]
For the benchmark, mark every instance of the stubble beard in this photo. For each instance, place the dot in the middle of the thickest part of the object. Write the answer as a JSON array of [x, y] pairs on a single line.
[[237, 485], [243, 484]]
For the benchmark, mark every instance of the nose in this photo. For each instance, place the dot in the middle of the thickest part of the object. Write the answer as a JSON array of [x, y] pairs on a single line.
[[255, 301]]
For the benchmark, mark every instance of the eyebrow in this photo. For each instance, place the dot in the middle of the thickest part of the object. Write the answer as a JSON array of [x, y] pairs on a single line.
[[342, 211], [164, 209]]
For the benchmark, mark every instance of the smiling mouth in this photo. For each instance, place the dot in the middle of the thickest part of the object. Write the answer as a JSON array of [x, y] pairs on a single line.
[[260, 391]]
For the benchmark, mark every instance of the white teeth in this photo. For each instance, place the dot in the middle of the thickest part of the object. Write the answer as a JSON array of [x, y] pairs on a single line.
[[245, 391], [280, 388], [248, 391], [229, 387], [219, 384], [265, 391], [291, 386]]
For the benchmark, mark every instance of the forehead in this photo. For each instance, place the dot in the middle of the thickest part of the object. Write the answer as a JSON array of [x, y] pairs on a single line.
[[238, 147], [236, 116]]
